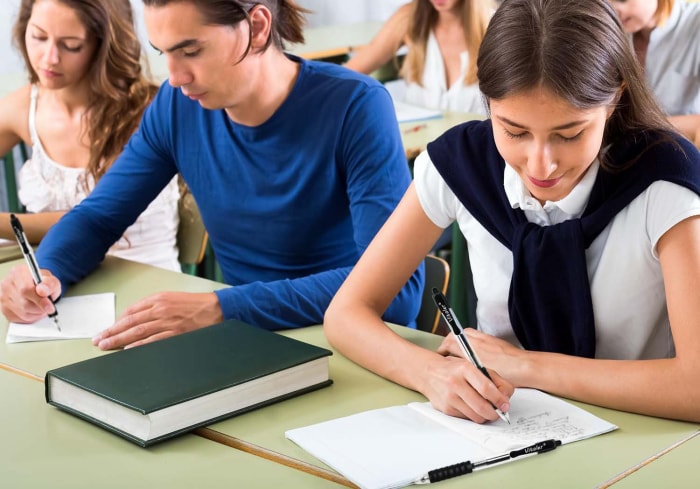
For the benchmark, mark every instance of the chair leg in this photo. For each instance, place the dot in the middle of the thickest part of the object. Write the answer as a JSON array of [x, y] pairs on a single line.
[[13, 203]]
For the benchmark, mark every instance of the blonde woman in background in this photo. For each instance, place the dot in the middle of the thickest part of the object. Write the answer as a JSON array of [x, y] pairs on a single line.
[[443, 38], [85, 99]]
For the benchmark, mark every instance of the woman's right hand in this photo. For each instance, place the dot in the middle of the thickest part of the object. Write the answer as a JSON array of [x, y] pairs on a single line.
[[22, 301], [457, 388]]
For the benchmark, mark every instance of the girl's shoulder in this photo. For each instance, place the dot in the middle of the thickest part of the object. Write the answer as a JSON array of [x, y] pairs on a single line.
[[14, 112], [401, 18]]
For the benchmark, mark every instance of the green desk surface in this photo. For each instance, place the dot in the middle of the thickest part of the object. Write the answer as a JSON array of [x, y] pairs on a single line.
[[586, 463], [9, 251], [129, 280], [416, 135], [43, 447], [581, 464], [676, 468]]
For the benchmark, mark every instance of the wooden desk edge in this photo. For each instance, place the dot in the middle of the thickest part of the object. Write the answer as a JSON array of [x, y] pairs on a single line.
[[271, 455], [21, 372], [236, 443], [647, 461]]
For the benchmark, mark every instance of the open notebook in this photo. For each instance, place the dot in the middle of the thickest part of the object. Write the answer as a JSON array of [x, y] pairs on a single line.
[[408, 113], [394, 446]]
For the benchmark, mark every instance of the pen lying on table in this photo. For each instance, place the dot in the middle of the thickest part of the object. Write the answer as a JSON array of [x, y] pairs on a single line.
[[468, 467], [457, 329], [31, 260], [415, 128]]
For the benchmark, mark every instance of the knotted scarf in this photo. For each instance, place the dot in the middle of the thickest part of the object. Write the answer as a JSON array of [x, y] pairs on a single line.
[[549, 301]]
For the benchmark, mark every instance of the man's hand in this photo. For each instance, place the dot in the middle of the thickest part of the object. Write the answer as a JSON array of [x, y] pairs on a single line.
[[159, 316], [24, 302]]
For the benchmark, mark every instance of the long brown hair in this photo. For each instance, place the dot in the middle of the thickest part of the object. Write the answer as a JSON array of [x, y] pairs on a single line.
[[119, 90], [422, 20], [287, 17], [578, 50]]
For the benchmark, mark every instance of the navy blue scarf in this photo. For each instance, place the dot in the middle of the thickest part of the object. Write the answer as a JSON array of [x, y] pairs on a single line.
[[550, 301]]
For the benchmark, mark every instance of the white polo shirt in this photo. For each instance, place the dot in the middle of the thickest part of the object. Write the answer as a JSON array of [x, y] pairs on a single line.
[[673, 60], [627, 287]]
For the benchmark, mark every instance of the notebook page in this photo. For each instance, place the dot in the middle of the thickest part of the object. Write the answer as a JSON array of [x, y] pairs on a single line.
[[392, 447], [534, 415], [385, 448], [79, 316]]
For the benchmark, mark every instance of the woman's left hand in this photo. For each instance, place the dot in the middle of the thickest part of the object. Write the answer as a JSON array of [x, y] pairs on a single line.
[[496, 354]]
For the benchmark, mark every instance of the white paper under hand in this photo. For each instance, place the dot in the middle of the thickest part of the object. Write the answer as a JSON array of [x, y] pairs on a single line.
[[80, 316]]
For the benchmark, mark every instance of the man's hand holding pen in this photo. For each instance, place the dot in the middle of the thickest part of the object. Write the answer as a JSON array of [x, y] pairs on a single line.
[[22, 301]]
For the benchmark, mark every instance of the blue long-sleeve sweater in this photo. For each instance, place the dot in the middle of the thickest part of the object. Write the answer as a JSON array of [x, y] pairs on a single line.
[[289, 205]]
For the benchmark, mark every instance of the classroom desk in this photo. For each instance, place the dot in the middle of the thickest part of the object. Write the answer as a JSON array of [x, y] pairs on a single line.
[[130, 280], [333, 41], [261, 432], [9, 251], [41, 446], [416, 135], [581, 464], [676, 468]]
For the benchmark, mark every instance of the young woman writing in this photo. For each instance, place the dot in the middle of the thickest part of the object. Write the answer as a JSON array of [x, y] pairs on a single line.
[[580, 205]]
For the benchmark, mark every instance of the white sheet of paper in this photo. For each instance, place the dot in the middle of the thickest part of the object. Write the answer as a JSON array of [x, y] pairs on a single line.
[[392, 447], [80, 316]]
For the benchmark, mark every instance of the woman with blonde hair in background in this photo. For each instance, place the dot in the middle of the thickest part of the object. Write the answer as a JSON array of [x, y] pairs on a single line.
[[443, 38]]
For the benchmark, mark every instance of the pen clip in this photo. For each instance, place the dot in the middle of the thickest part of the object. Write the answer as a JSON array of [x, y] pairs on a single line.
[[27, 250], [19, 233], [539, 447], [455, 326]]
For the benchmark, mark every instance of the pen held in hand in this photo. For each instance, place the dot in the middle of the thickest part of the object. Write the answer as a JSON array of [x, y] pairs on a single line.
[[457, 329], [29, 257]]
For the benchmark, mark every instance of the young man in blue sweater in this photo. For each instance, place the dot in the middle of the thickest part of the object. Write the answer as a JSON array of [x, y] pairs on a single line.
[[294, 165]]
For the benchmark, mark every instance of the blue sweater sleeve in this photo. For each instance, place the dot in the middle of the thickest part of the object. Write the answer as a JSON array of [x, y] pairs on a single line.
[[76, 244], [377, 175]]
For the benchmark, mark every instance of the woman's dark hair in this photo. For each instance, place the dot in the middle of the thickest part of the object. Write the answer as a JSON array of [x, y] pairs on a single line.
[[119, 91], [576, 49], [287, 17]]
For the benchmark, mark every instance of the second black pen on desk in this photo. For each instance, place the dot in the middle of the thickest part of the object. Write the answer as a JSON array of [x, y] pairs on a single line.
[[463, 468], [28, 254], [457, 329]]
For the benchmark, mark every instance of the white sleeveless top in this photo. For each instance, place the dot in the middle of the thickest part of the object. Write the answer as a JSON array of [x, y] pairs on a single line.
[[47, 186], [435, 93]]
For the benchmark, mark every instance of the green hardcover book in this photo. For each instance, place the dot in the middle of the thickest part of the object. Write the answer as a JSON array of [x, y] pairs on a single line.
[[156, 391]]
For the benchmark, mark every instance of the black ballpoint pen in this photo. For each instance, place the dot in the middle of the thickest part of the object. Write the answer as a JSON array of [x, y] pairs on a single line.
[[468, 467], [457, 329], [28, 254]]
